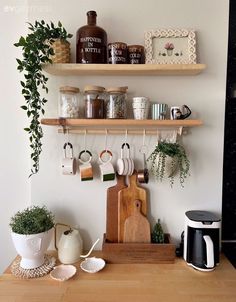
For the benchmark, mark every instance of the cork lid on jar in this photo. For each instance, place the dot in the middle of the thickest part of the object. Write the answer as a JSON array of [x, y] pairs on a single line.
[[69, 89], [94, 88], [117, 89]]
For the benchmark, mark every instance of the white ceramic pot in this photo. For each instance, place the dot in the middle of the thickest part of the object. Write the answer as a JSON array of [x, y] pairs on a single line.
[[32, 248]]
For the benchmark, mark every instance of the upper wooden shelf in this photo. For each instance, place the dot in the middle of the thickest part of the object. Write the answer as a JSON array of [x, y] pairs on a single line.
[[103, 123], [123, 69]]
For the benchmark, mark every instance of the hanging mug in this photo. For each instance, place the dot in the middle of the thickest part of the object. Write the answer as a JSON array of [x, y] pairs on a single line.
[[106, 167], [86, 171], [68, 162], [125, 165], [180, 113]]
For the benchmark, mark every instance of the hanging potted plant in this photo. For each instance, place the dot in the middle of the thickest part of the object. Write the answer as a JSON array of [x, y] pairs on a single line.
[[168, 159], [45, 43], [32, 231]]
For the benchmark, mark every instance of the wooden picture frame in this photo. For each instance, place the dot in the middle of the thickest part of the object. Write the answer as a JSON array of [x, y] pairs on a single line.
[[170, 46]]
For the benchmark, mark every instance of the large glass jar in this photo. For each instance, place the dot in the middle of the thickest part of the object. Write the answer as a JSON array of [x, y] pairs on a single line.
[[116, 106], [68, 102], [94, 102]]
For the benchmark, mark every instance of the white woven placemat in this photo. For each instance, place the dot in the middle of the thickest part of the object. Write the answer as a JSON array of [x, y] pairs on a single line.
[[49, 263]]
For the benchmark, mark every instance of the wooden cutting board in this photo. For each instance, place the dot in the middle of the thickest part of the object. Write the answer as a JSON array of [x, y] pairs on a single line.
[[136, 226], [112, 209], [126, 198]]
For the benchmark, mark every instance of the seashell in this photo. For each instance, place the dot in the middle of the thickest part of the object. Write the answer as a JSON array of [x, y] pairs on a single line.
[[92, 265], [63, 272]]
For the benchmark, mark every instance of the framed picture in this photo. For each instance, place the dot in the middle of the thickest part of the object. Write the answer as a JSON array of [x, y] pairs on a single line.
[[170, 46]]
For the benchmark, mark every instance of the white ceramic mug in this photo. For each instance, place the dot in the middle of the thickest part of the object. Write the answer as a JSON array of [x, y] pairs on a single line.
[[106, 167], [68, 162], [180, 112], [125, 165], [86, 170], [140, 107]]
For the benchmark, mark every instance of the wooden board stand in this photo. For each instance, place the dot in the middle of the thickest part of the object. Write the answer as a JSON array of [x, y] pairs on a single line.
[[139, 252]]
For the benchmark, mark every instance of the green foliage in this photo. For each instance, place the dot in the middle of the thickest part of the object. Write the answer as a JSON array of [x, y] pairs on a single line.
[[36, 50], [158, 234], [179, 159], [32, 220]]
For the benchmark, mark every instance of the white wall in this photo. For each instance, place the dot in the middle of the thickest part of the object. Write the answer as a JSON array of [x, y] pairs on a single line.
[[14, 156], [84, 204]]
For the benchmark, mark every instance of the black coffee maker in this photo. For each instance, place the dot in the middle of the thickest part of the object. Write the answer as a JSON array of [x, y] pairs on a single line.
[[201, 240]]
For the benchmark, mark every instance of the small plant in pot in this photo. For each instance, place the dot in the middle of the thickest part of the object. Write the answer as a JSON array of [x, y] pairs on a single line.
[[43, 45], [168, 159], [32, 231]]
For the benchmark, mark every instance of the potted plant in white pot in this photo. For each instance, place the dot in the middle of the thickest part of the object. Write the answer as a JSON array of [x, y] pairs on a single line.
[[168, 159], [32, 231]]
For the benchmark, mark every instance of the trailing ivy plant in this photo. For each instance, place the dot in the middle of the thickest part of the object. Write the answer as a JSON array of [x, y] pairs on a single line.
[[179, 160], [37, 50]]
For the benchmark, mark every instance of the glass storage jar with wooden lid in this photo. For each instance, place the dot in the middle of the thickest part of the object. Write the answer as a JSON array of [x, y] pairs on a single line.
[[94, 101], [68, 102], [116, 106]]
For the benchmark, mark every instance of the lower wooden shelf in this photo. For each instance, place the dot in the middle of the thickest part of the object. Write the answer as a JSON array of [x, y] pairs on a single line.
[[139, 252]]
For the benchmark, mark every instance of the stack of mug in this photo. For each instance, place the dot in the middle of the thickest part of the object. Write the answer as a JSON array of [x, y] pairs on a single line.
[[140, 107]]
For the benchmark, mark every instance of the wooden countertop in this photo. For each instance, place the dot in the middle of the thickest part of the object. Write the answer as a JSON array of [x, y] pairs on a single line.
[[128, 282]]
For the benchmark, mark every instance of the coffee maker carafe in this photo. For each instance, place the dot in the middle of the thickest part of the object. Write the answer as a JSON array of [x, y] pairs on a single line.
[[201, 240]]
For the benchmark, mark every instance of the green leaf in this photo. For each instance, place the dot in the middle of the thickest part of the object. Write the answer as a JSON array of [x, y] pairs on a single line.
[[59, 24], [22, 41], [22, 83], [24, 107]]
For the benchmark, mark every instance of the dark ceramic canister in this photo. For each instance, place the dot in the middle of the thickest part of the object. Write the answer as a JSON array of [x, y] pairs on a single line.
[[136, 54], [117, 53], [91, 42]]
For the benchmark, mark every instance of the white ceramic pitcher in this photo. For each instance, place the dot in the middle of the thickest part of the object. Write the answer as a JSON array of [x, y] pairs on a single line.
[[70, 245]]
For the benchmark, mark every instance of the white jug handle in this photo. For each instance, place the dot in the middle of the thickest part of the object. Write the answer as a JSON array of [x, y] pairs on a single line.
[[209, 251], [90, 251]]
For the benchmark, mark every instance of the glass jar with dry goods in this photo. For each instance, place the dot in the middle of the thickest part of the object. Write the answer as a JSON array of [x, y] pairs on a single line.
[[68, 102], [94, 102], [116, 106]]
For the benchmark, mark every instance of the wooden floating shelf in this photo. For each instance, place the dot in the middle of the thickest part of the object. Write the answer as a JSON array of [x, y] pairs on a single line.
[[72, 69], [120, 123]]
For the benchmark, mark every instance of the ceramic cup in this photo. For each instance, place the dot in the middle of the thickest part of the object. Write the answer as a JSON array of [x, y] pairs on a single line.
[[106, 167], [86, 171], [68, 162], [140, 107], [159, 111], [180, 112], [125, 165]]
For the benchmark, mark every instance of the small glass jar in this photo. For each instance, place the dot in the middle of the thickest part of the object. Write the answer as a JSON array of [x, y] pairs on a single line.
[[68, 102], [94, 102], [116, 106]]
